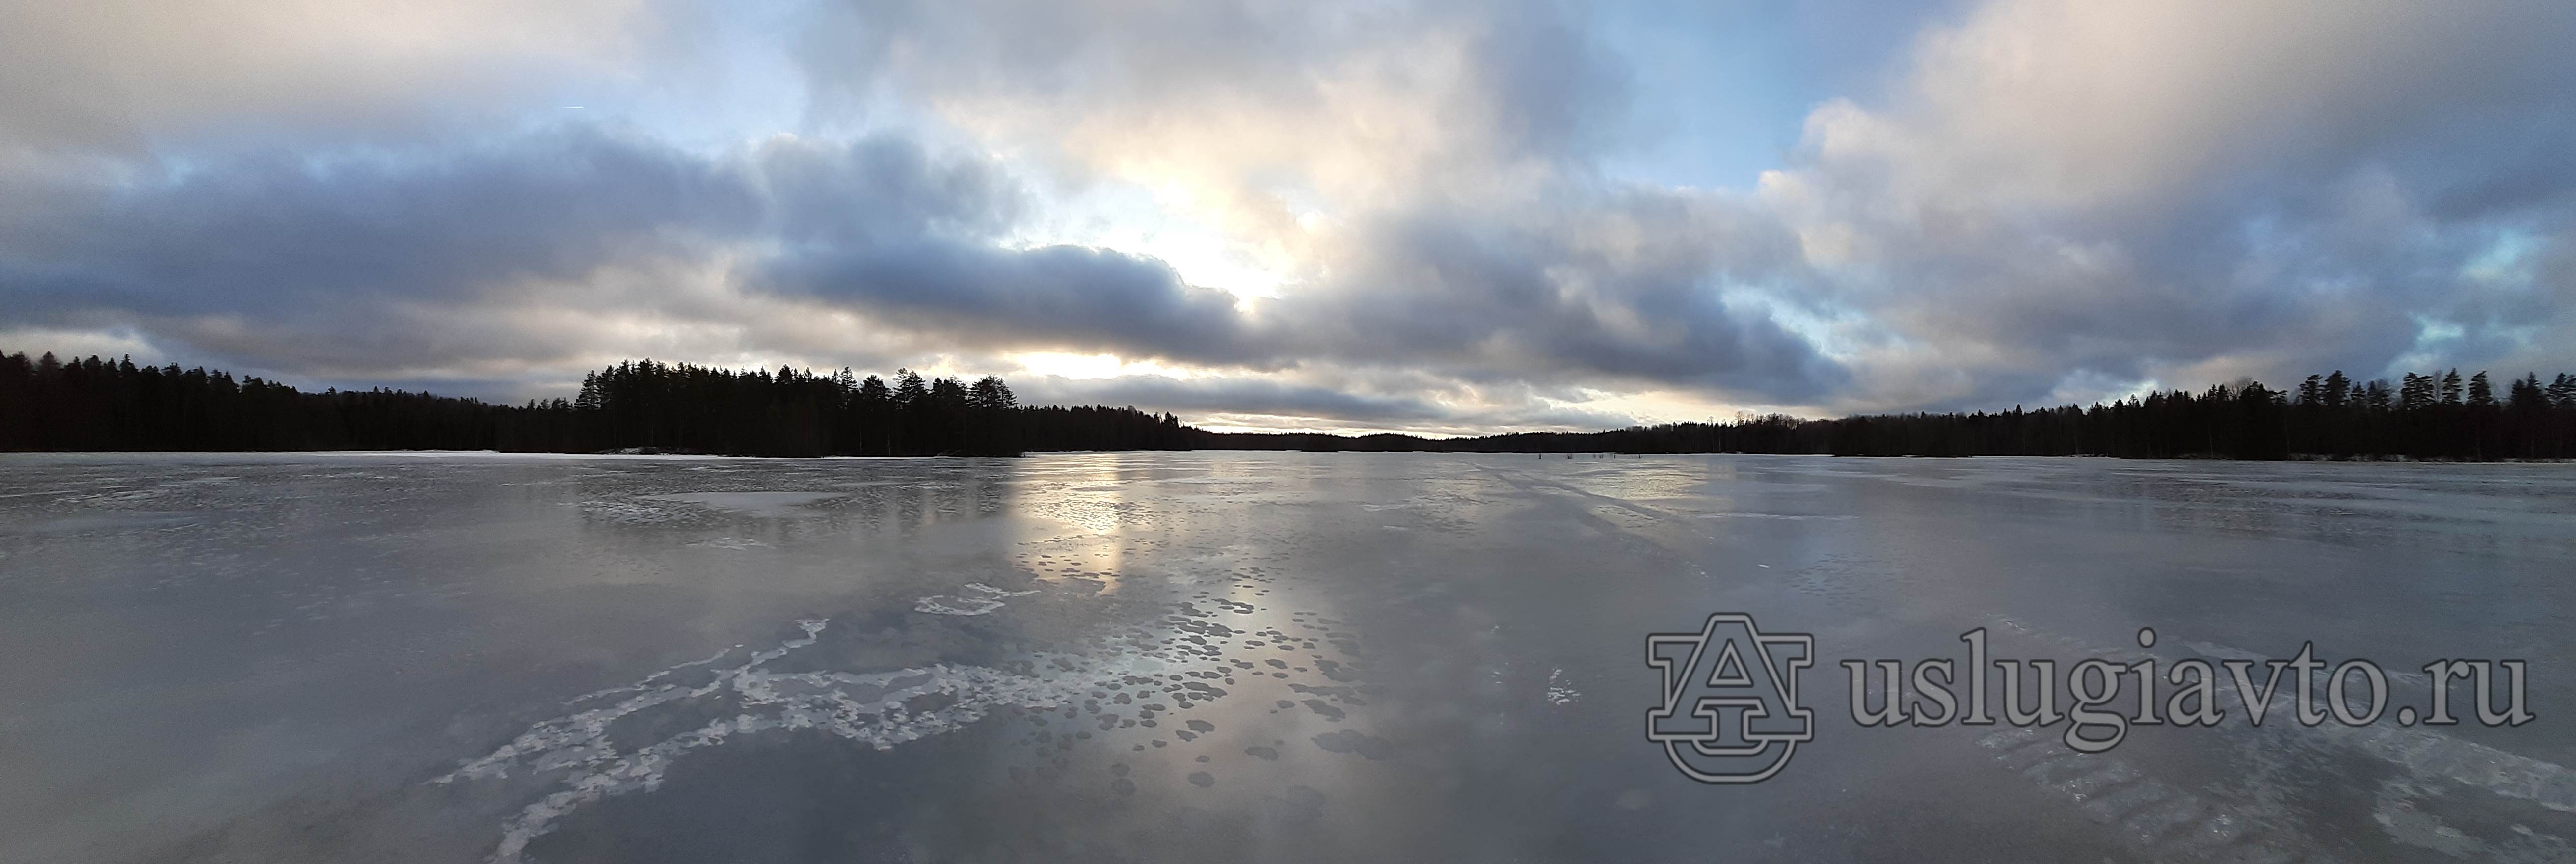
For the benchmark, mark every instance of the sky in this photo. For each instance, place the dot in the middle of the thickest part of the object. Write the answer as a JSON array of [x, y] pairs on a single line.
[[1435, 217]]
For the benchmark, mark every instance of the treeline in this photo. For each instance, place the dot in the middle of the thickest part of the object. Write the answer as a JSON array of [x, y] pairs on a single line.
[[2326, 416], [95, 404]]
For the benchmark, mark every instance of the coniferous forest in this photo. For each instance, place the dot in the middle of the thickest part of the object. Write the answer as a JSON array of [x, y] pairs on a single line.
[[642, 406], [646, 406]]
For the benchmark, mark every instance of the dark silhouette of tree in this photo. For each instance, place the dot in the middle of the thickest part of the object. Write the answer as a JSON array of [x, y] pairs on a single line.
[[2527, 395], [2416, 393], [909, 388], [2377, 395], [989, 393]]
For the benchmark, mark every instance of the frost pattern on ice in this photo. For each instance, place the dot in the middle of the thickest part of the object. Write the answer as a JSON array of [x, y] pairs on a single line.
[[771, 505], [943, 604], [978, 599], [869, 708], [1560, 691], [2422, 751], [627, 512], [2177, 824]]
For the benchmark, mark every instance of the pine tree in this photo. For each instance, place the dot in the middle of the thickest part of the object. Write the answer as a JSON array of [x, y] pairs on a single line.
[[989, 392], [2527, 394], [2416, 393], [909, 389]]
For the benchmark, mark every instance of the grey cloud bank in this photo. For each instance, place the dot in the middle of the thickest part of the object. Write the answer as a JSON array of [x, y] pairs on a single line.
[[2045, 202]]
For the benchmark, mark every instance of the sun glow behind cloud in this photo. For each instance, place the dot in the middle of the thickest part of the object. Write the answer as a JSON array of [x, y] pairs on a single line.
[[1132, 217], [1092, 367]]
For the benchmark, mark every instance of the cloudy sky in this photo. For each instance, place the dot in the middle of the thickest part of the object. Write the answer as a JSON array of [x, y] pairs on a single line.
[[1442, 217]]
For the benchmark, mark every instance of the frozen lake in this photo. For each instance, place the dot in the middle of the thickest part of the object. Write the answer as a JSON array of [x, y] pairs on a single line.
[[1226, 656]]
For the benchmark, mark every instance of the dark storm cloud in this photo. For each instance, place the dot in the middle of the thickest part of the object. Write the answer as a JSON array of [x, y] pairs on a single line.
[[825, 197], [276, 233], [1056, 296]]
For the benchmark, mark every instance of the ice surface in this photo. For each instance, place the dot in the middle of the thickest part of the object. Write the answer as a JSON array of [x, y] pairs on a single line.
[[775, 505], [1225, 656]]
